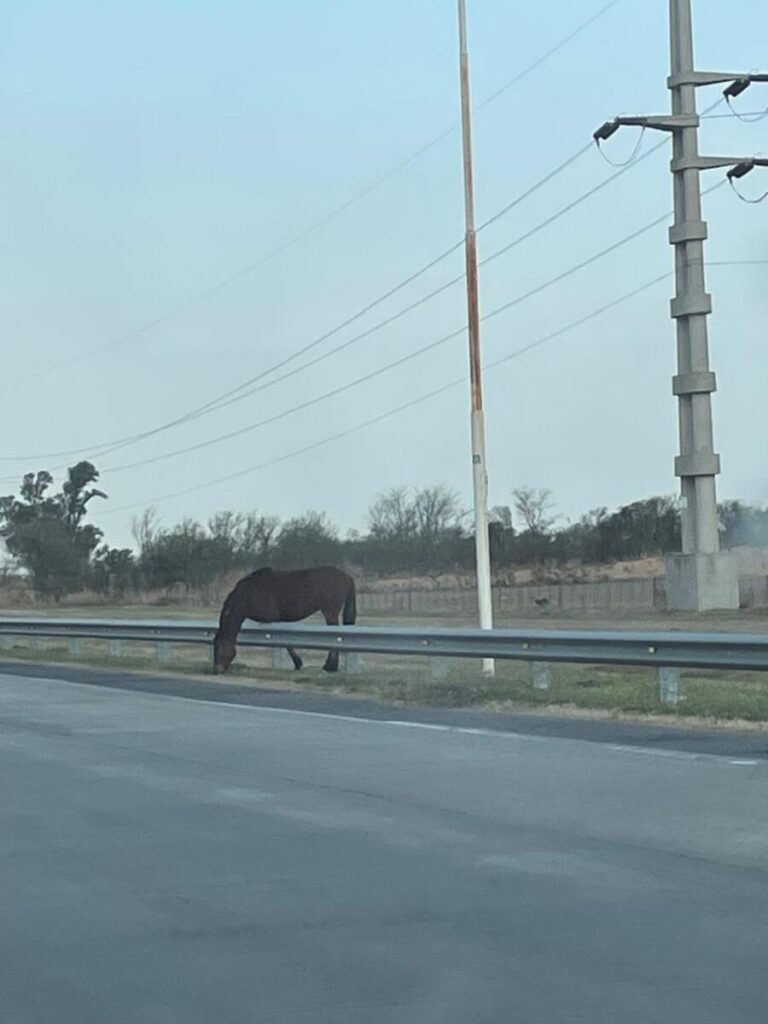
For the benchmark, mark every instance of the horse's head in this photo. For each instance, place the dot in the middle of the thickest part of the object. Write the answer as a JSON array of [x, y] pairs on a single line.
[[224, 653]]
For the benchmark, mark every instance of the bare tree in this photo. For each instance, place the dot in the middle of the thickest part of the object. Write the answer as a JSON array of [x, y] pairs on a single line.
[[227, 526], [532, 506], [393, 515], [145, 529], [437, 510], [258, 534]]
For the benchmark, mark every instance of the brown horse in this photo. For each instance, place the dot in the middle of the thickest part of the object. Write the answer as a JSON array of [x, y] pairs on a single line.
[[270, 595]]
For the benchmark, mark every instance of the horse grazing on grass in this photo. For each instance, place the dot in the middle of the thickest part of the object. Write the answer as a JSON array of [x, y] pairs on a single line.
[[270, 595]]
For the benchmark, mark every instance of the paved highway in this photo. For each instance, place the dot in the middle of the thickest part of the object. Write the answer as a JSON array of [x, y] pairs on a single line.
[[171, 861]]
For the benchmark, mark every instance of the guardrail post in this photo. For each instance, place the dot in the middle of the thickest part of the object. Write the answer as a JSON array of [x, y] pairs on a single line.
[[540, 675], [163, 652], [439, 668], [281, 661], [73, 646], [7, 642], [36, 643], [669, 685], [353, 663], [115, 648]]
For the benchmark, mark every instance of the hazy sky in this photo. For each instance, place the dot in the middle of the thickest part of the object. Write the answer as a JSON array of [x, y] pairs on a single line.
[[150, 151]]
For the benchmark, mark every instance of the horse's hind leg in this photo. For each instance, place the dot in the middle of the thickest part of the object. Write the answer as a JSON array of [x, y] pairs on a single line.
[[332, 661], [298, 664]]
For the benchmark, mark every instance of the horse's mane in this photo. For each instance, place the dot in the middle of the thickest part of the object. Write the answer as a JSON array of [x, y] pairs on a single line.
[[257, 574], [229, 609]]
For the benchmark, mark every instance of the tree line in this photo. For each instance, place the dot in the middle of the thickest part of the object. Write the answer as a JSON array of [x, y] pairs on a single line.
[[50, 538]]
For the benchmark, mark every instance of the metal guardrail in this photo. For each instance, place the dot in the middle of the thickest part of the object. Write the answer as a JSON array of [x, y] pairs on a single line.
[[667, 648], [666, 651]]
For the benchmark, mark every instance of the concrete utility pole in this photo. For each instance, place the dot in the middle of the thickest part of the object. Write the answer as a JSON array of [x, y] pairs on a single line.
[[702, 576], [479, 470]]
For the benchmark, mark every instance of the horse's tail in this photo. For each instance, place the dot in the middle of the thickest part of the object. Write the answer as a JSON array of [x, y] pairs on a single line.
[[349, 614]]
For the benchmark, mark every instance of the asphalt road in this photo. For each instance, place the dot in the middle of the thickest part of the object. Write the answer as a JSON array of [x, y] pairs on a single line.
[[172, 861]]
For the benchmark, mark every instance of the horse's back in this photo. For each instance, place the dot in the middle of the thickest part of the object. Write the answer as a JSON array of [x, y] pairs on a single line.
[[294, 594]]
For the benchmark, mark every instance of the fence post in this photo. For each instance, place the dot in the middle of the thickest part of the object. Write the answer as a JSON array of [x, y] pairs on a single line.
[[669, 685], [439, 668], [540, 675], [353, 663], [281, 662], [163, 652]]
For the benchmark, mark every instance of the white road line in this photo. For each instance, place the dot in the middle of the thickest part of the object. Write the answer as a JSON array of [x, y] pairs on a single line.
[[673, 755]]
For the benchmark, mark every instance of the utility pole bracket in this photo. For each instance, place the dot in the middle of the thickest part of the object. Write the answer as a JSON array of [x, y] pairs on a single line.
[[698, 464], [698, 382], [691, 304], [688, 231]]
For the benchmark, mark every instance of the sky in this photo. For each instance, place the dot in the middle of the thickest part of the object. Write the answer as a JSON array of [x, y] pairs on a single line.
[[160, 161]]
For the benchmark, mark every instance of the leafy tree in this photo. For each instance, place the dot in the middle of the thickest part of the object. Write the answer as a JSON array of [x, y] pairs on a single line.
[[307, 540], [185, 555], [743, 525], [114, 571], [46, 532], [648, 527]]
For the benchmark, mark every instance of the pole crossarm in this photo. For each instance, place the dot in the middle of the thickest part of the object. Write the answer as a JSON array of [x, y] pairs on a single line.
[[739, 80], [662, 123]]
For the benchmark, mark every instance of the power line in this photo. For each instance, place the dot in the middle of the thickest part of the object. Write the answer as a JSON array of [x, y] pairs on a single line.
[[245, 390], [550, 53], [395, 411], [334, 392], [758, 115], [404, 359], [241, 393], [322, 221], [422, 398], [340, 435]]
